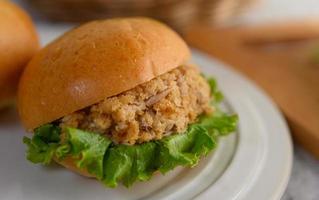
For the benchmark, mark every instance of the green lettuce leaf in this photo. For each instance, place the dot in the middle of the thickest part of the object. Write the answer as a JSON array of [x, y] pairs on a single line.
[[42, 146], [184, 149], [219, 125], [216, 93], [129, 163], [112, 164], [87, 148]]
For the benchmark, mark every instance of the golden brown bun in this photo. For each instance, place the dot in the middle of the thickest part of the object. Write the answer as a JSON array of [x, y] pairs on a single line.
[[94, 61], [18, 43]]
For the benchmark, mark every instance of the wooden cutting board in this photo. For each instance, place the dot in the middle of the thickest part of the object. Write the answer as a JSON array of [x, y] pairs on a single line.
[[282, 58]]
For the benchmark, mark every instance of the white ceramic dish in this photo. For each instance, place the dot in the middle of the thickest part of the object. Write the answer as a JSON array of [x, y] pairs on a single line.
[[254, 163]]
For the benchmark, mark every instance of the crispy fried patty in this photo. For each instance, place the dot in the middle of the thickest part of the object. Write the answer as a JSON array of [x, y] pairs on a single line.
[[167, 104]]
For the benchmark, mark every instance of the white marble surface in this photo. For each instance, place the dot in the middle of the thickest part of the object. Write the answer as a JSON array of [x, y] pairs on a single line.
[[304, 182]]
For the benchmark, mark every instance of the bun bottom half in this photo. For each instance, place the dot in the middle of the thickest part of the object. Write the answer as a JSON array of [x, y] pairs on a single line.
[[69, 163]]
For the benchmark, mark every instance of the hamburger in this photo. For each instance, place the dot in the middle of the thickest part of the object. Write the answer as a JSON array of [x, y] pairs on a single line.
[[18, 43], [117, 100]]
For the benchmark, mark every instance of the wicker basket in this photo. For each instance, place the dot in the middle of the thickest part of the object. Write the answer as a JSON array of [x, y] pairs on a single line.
[[177, 13]]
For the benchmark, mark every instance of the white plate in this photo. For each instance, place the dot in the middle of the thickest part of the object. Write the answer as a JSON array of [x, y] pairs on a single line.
[[253, 163]]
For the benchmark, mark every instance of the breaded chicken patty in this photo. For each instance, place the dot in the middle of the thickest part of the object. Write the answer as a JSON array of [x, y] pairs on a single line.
[[162, 106]]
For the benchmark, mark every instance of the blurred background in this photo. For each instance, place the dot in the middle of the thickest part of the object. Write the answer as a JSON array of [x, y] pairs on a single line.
[[273, 42], [177, 13], [180, 14]]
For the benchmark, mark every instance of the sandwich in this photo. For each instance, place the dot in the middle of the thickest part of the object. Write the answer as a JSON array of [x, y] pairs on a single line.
[[117, 100], [18, 43]]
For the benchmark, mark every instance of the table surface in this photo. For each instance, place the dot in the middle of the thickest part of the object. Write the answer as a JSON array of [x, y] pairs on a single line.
[[304, 181]]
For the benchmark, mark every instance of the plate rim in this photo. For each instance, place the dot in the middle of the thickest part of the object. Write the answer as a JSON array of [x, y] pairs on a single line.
[[282, 182]]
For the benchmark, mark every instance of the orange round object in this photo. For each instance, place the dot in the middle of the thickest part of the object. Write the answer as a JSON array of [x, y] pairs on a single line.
[[18, 43]]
